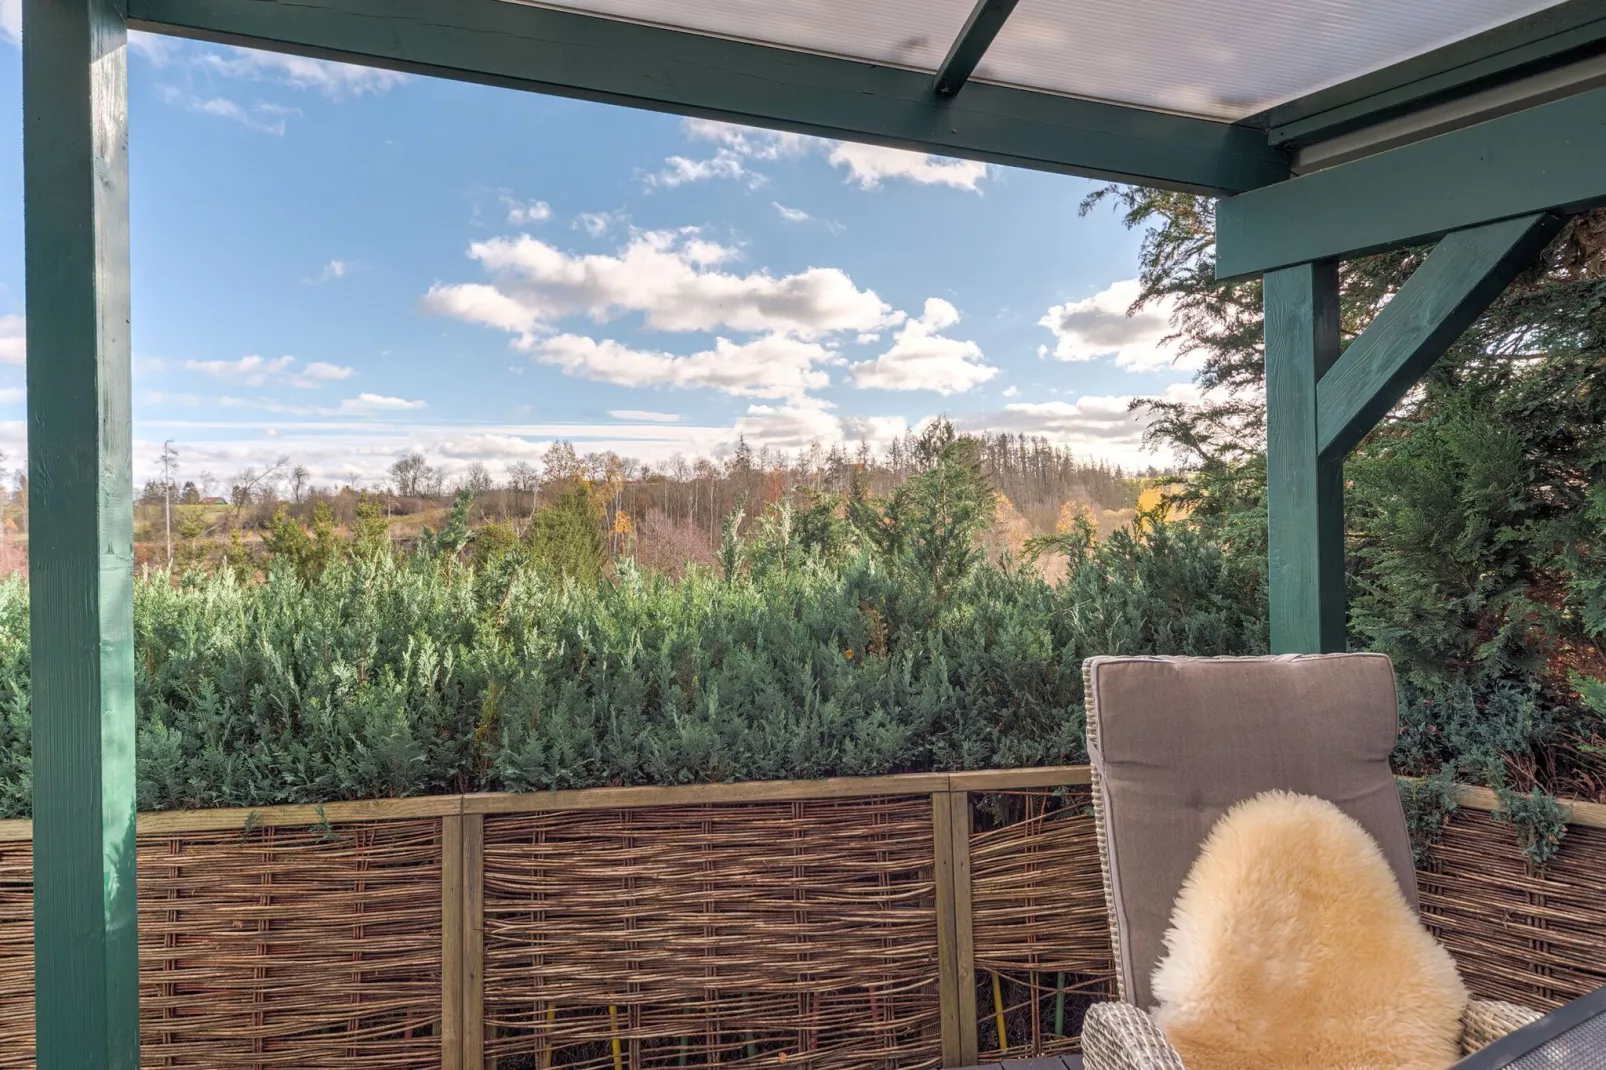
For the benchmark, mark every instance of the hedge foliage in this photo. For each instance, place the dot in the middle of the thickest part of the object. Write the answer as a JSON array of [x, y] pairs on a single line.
[[388, 676]]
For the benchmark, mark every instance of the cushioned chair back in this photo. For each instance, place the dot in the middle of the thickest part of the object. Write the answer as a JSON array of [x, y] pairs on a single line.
[[1175, 742]]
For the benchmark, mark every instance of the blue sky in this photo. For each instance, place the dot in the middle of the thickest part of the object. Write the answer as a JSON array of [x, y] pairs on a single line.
[[339, 264]]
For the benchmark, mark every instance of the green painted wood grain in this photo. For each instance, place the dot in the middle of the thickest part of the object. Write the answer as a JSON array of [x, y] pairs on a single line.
[[1304, 494], [80, 553], [572, 54], [1548, 158], [1438, 302]]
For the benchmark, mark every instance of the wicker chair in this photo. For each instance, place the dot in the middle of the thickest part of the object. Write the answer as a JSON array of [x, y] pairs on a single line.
[[1175, 742]]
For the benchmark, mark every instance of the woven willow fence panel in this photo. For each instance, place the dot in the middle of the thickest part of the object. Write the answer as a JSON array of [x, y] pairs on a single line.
[[800, 932], [16, 956], [281, 947], [1534, 938], [1041, 940], [840, 925]]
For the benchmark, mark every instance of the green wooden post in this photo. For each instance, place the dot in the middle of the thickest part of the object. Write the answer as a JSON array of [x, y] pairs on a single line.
[[1304, 493], [80, 553]]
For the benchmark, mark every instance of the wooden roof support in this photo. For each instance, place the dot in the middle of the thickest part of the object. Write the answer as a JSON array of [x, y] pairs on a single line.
[[1320, 404], [81, 549], [971, 45]]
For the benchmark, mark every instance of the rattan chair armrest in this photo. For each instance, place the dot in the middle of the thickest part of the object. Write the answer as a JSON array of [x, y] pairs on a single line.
[[1487, 1020], [1118, 1036]]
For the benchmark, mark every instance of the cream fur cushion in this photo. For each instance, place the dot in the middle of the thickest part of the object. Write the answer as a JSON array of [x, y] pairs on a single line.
[[1292, 948]]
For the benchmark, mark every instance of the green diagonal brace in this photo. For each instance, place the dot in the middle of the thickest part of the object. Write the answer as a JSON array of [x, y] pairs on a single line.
[[1469, 269], [81, 546]]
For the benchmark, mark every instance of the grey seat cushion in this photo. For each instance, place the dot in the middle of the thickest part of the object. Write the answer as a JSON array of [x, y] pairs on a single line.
[[1175, 742]]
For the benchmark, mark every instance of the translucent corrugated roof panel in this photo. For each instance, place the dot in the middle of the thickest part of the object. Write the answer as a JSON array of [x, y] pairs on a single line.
[[1221, 59], [908, 33]]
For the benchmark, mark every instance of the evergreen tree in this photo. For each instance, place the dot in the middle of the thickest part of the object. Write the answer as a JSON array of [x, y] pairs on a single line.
[[1476, 517], [565, 537]]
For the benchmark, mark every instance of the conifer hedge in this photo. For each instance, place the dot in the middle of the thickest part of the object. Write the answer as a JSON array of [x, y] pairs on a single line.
[[386, 675]]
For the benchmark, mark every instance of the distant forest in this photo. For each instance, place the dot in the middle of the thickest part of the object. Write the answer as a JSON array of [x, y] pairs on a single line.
[[667, 515]]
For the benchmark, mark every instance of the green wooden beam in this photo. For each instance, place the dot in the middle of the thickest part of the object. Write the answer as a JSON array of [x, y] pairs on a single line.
[[1555, 36], [1548, 158], [1452, 287], [986, 19], [522, 46], [1304, 493], [81, 544]]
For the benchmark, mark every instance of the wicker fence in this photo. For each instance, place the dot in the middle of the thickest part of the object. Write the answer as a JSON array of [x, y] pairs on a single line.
[[874, 924]]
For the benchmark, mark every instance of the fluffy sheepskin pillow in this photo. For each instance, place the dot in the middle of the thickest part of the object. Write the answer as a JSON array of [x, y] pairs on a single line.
[[1292, 948]]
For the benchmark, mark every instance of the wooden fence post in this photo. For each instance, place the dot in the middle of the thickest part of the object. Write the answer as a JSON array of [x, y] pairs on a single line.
[[956, 958], [473, 914], [453, 923]]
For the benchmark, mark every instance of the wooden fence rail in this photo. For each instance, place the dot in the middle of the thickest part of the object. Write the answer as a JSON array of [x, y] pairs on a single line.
[[880, 923]]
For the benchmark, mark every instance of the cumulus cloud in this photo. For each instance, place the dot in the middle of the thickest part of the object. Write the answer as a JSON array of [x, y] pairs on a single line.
[[13, 339], [377, 403], [523, 213], [922, 358], [334, 269], [791, 215], [771, 366], [11, 21], [644, 416], [869, 165], [736, 147], [670, 277], [1100, 327], [319, 371]]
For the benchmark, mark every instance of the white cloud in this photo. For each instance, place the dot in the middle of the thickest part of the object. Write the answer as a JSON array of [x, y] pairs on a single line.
[[922, 358], [11, 21], [668, 277], [1011, 391], [262, 117], [254, 370], [11, 395], [155, 47], [643, 415], [523, 213], [251, 370], [680, 170], [323, 372], [335, 269], [747, 140], [869, 165], [1094, 427], [796, 424], [1099, 327], [379, 404], [771, 366], [791, 215], [595, 224], [736, 148], [13, 339], [337, 81]]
